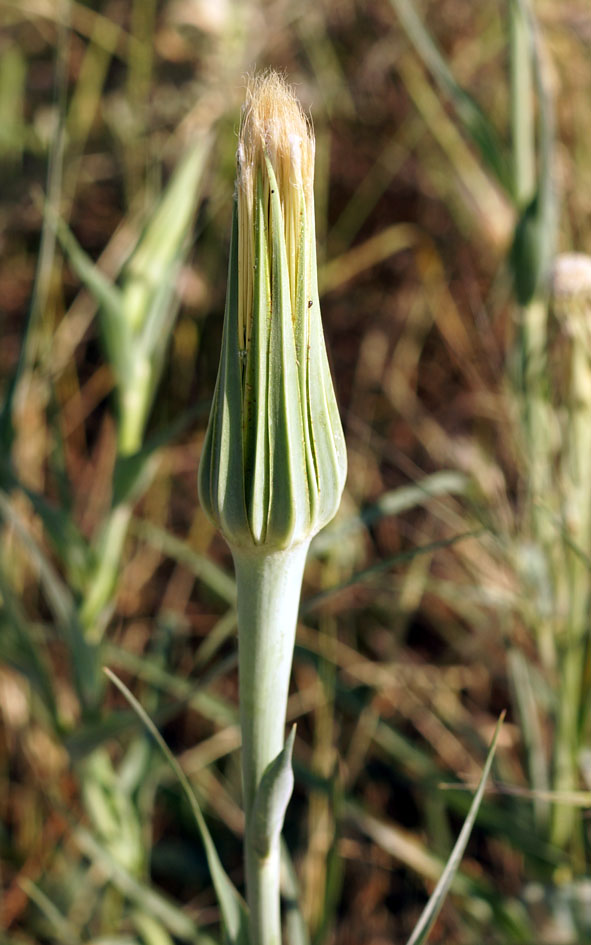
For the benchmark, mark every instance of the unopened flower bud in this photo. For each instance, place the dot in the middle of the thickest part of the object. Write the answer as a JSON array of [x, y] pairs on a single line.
[[274, 462]]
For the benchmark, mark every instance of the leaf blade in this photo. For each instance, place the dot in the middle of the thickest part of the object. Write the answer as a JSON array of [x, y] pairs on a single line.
[[431, 910], [232, 907]]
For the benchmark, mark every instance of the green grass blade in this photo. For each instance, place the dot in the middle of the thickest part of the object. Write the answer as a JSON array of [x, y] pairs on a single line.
[[19, 648], [431, 910], [385, 565], [69, 543], [477, 125], [62, 926], [200, 565], [113, 940], [85, 739], [83, 654], [233, 910], [184, 691], [46, 254], [133, 471], [162, 244], [140, 893], [115, 331], [535, 239], [150, 930], [13, 86], [440, 484]]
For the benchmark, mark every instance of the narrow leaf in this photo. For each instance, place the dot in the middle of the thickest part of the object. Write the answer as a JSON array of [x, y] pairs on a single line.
[[200, 565], [83, 653], [147, 898], [234, 914], [152, 932], [114, 328], [161, 246], [386, 564], [431, 910], [68, 541], [535, 235], [475, 122], [443, 483], [22, 651], [133, 471], [66, 930]]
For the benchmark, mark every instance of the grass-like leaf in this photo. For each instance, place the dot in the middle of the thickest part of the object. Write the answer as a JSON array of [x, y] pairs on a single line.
[[535, 235], [233, 909], [385, 565], [115, 329], [67, 932], [138, 892], [437, 485], [431, 910], [475, 122], [83, 653], [19, 649], [200, 565]]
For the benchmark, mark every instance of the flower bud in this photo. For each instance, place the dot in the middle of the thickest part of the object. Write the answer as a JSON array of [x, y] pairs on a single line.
[[274, 461]]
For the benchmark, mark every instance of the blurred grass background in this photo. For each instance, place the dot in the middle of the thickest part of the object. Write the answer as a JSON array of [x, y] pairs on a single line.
[[453, 584]]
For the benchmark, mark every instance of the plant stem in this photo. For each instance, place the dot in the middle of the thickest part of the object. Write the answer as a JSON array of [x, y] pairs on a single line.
[[269, 587]]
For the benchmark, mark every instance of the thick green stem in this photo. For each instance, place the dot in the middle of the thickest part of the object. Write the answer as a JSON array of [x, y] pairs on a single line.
[[269, 589], [263, 895]]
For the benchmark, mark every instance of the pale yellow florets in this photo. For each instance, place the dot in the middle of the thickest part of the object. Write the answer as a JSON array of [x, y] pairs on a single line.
[[274, 128]]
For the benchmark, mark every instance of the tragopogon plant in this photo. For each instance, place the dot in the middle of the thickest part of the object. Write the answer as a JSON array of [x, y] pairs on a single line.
[[274, 463]]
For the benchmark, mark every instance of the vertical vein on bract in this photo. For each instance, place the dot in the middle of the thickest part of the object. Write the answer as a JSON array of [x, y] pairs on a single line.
[[245, 198], [289, 505], [256, 461]]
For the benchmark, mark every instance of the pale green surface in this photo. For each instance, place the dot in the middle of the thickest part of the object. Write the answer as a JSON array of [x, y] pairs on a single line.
[[269, 589]]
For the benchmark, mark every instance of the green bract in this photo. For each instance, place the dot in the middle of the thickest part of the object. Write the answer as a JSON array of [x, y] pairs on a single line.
[[274, 462]]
